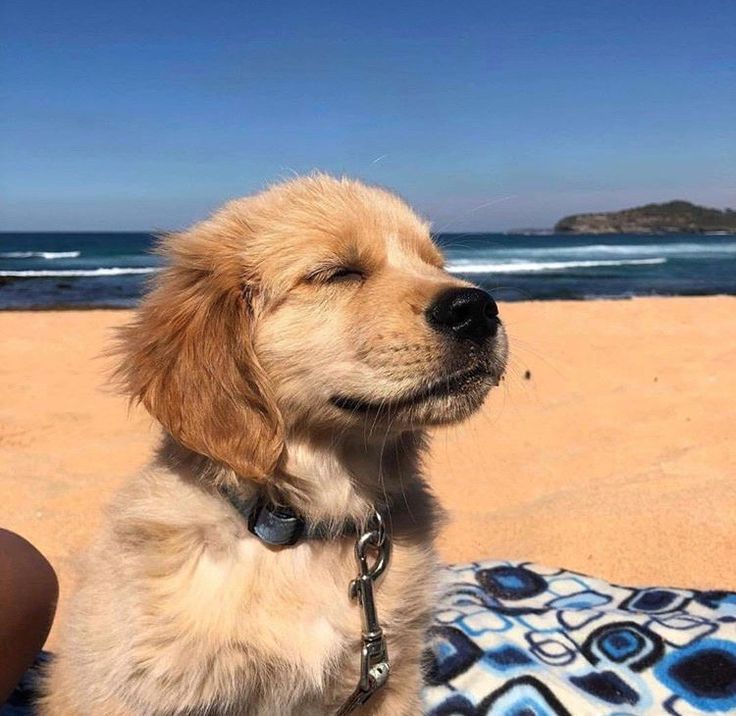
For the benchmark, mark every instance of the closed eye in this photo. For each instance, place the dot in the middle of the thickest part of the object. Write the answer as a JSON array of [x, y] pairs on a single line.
[[335, 274], [344, 274]]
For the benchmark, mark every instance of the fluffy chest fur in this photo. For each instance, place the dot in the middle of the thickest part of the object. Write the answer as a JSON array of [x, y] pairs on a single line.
[[183, 611]]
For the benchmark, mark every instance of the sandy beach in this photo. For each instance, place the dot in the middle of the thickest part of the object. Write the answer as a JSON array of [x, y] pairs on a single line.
[[609, 448]]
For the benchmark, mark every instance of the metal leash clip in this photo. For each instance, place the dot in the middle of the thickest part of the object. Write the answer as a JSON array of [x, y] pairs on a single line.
[[374, 663]]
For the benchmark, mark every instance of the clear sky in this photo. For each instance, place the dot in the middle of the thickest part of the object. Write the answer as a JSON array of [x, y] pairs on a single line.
[[486, 115]]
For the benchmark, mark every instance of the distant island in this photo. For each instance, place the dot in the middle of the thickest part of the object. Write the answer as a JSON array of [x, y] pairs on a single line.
[[673, 217]]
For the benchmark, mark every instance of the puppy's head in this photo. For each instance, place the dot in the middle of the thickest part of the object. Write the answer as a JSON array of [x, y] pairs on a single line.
[[318, 306]]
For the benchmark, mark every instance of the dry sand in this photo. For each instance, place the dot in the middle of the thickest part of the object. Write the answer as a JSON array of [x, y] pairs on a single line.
[[615, 457]]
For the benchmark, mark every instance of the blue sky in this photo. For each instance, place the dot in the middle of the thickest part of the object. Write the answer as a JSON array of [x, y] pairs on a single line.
[[485, 115]]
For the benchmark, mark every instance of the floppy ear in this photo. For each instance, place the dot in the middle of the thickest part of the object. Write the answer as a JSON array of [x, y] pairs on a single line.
[[188, 357]]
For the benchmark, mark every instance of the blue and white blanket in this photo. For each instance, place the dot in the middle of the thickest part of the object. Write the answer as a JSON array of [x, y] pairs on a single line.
[[518, 639]]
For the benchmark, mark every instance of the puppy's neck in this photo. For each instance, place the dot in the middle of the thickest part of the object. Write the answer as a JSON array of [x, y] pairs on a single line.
[[336, 480], [332, 481]]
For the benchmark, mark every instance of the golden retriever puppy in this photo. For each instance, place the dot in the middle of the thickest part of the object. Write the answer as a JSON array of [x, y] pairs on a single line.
[[295, 349]]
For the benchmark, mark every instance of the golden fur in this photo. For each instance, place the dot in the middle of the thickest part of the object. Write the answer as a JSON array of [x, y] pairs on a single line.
[[314, 288]]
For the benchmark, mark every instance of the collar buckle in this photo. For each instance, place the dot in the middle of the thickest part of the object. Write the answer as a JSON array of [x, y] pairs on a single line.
[[275, 525]]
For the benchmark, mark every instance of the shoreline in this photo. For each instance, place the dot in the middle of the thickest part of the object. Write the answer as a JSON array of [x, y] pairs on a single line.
[[613, 458]]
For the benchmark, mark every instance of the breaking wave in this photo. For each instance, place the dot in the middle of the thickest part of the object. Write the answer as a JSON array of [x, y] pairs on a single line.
[[40, 254], [112, 271], [535, 266]]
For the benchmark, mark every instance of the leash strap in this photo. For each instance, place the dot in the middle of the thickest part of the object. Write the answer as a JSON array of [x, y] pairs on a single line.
[[375, 667]]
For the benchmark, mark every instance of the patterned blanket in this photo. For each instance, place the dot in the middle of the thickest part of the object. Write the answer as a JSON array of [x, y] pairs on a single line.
[[517, 639]]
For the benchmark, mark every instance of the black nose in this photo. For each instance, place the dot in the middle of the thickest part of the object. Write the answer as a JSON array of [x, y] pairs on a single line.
[[464, 312]]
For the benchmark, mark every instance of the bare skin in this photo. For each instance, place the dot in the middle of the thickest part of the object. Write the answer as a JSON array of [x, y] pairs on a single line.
[[28, 594]]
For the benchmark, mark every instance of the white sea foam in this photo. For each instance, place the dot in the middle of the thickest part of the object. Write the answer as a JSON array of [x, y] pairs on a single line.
[[62, 273], [40, 254], [536, 266], [595, 251], [640, 250]]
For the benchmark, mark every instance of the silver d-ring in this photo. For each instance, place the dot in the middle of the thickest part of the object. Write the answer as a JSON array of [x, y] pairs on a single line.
[[377, 524], [366, 543]]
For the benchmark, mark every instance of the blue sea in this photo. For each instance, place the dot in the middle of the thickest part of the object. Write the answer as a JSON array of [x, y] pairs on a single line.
[[109, 270]]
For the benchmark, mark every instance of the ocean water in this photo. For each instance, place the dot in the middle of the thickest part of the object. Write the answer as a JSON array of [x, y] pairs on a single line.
[[66, 270]]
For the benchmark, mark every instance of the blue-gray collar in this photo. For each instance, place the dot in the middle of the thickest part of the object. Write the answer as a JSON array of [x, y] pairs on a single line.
[[281, 526]]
